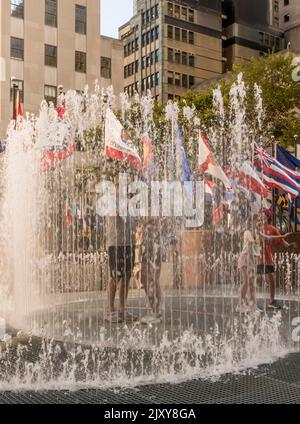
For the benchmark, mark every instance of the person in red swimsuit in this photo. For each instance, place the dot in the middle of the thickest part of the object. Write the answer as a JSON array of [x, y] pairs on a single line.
[[270, 237]]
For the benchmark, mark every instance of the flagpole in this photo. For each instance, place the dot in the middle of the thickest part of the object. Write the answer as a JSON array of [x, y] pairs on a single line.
[[14, 88]]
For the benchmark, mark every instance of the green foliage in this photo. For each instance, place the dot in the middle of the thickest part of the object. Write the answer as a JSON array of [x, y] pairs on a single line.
[[280, 94]]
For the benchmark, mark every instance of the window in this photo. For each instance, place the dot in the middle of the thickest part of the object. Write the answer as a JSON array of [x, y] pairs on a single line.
[[184, 58], [191, 37], [170, 55], [170, 77], [50, 93], [156, 56], [191, 15], [184, 13], [184, 36], [17, 48], [20, 85], [170, 9], [50, 55], [184, 81], [17, 8], [170, 31], [286, 18], [286, 2], [80, 62], [191, 81], [106, 67], [177, 34], [177, 12], [177, 79], [191, 60], [177, 57], [157, 78], [80, 19], [51, 13]]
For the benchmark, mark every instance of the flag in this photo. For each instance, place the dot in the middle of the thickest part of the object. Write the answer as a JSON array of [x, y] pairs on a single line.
[[148, 152], [289, 161], [53, 156], [17, 106], [274, 174], [208, 164], [248, 178], [117, 144]]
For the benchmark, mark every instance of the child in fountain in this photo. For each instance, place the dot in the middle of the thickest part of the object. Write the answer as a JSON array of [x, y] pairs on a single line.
[[120, 237], [270, 237]]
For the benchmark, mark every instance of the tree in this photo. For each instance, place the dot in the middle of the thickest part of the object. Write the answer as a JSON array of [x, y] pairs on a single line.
[[280, 95]]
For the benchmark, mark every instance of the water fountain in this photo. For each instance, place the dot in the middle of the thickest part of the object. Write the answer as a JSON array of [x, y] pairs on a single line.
[[54, 268]]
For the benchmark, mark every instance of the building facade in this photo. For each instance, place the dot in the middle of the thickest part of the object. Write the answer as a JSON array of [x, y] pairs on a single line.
[[250, 29], [290, 22], [171, 46], [47, 43]]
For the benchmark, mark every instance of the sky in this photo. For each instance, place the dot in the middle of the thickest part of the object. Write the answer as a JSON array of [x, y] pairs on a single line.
[[114, 13]]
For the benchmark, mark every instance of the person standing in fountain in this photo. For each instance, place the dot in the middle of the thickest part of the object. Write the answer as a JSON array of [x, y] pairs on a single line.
[[247, 266], [151, 258], [270, 237], [121, 250]]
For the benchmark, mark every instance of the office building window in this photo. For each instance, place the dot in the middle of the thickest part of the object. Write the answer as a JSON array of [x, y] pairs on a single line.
[[184, 36], [170, 77], [80, 19], [17, 48], [191, 15], [17, 8], [170, 9], [177, 34], [20, 85], [170, 55], [177, 57], [50, 55], [170, 31], [105, 67], [184, 13], [177, 12], [80, 62], [184, 81], [191, 37], [177, 79], [50, 94], [184, 58], [191, 60], [191, 81], [51, 13]]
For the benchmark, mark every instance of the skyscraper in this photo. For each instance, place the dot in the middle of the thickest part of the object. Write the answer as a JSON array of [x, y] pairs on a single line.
[[170, 46], [290, 22], [47, 43], [251, 28]]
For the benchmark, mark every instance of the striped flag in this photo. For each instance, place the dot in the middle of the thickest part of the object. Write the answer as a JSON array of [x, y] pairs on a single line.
[[274, 174]]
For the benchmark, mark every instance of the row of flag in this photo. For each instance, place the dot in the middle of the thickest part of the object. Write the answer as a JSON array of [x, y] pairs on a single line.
[[261, 176]]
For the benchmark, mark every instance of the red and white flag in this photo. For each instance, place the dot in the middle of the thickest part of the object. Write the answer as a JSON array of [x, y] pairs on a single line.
[[249, 179], [117, 143], [208, 164]]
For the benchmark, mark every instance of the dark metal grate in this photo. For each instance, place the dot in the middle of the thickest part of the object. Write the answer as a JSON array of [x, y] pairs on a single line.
[[278, 383]]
